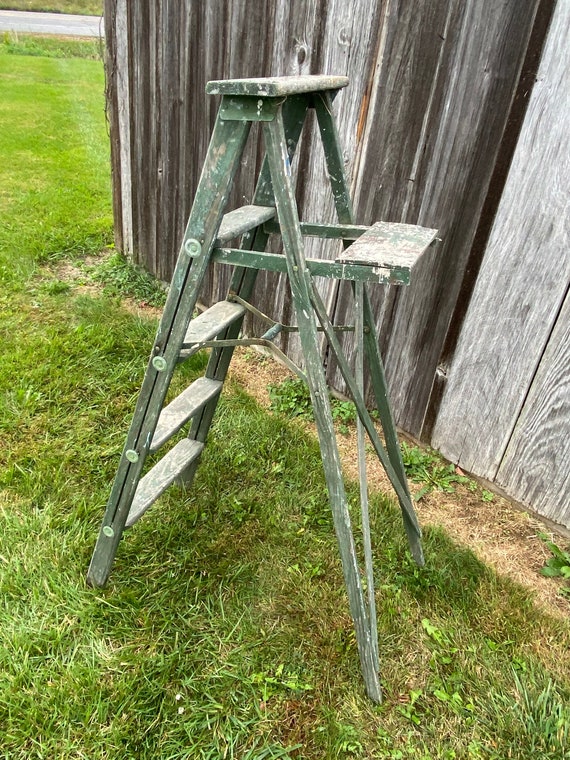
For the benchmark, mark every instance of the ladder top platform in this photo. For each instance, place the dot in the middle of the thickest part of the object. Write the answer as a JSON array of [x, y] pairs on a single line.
[[389, 245], [271, 87]]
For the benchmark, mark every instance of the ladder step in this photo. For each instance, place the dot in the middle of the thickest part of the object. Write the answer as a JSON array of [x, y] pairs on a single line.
[[389, 246], [165, 472], [240, 221], [275, 86], [182, 408], [209, 324]]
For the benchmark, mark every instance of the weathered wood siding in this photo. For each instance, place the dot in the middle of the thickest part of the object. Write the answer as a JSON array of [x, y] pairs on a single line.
[[505, 413], [426, 123], [445, 80]]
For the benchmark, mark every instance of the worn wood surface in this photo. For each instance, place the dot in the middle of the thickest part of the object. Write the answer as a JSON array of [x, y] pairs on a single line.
[[505, 409], [275, 86], [212, 322], [177, 413], [163, 474], [242, 220], [441, 98], [536, 466], [389, 245]]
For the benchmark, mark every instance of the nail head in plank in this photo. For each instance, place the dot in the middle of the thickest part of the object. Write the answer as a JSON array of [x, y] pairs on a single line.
[[182, 408], [163, 474], [276, 86]]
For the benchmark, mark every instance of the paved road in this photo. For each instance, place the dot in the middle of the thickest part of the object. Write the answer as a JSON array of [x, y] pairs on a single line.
[[51, 23]]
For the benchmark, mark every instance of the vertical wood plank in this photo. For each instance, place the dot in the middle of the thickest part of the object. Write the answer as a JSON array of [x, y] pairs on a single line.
[[523, 279], [444, 97], [118, 105], [535, 467]]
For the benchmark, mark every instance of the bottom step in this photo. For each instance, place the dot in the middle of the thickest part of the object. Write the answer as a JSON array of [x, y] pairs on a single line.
[[165, 472]]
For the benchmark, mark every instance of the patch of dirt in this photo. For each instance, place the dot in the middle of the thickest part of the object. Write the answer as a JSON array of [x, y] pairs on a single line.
[[499, 532], [78, 277]]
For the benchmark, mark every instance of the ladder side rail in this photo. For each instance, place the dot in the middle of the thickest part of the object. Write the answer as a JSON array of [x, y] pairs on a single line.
[[333, 157], [226, 147]]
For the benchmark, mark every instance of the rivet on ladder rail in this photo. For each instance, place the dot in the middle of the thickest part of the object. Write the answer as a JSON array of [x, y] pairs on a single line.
[[132, 455], [159, 363], [193, 247], [108, 531]]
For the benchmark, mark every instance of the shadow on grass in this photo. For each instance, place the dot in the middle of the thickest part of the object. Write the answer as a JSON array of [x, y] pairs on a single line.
[[256, 521]]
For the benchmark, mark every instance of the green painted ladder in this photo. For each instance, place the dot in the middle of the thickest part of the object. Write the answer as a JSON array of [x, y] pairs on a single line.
[[383, 253]]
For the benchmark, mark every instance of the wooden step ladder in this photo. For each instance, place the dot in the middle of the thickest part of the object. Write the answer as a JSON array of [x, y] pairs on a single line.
[[384, 253]]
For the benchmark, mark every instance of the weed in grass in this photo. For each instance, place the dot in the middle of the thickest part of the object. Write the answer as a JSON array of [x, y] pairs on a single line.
[[273, 683], [557, 566], [121, 278], [534, 720], [427, 467], [343, 413], [291, 398]]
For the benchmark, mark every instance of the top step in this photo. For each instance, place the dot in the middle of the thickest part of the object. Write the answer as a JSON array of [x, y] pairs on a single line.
[[272, 87]]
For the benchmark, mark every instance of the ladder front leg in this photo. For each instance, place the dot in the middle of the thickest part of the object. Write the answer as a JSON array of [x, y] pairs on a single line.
[[226, 147], [362, 476]]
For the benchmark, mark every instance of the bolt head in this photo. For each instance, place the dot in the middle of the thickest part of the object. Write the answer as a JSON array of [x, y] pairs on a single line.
[[132, 455], [193, 247], [108, 531], [159, 363]]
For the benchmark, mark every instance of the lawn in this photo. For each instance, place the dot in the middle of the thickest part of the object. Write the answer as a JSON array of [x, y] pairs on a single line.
[[224, 630], [81, 7]]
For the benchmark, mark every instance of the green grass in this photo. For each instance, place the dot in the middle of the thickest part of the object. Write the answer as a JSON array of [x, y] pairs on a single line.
[[81, 7], [121, 278], [224, 630], [17, 43]]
